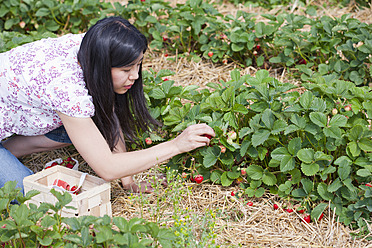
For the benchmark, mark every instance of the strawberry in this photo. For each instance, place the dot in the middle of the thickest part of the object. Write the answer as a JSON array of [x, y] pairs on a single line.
[[199, 179], [348, 107], [184, 175], [243, 172], [69, 165], [148, 141], [302, 62], [47, 167], [210, 54], [208, 136], [232, 135], [368, 185], [232, 193], [54, 164], [165, 39], [62, 184], [166, 55], [22, 24], [321, 217], [334, 111], [250, 203], [258, 48], [3, 226], [224, 61], [223, 149], [289, 210], [276, 206], [301, 210], [75, 189], [307, 219], [165, 79]]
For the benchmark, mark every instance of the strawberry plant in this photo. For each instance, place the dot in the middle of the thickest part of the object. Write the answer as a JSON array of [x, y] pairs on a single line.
[[42, 226]]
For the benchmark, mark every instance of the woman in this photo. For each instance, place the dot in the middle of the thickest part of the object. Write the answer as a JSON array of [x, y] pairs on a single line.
[[84, 89]]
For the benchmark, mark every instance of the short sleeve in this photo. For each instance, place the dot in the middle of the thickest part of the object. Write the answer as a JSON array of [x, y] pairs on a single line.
[[68, 95]]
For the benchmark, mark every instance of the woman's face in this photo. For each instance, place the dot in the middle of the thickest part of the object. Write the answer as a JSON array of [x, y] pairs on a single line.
[[123, 78]]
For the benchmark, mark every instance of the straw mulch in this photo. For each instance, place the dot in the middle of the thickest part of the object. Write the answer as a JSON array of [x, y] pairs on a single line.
[[237, 225]]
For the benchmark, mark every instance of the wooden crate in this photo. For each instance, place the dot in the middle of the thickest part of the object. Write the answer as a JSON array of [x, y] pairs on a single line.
[[94, 198]]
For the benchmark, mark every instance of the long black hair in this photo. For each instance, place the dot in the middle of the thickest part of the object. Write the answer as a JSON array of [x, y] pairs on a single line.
[[114, 42]]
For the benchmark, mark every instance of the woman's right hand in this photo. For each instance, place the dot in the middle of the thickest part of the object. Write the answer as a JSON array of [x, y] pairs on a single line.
[[193, 137]]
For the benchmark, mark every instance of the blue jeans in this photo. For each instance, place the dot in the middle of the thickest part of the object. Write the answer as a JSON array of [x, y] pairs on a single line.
[[11, 169]]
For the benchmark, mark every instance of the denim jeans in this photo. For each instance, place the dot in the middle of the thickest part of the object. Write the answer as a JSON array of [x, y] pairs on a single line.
[[11, 169]]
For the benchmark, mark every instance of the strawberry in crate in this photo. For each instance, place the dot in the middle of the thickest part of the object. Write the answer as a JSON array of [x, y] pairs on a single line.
[[68, 162]]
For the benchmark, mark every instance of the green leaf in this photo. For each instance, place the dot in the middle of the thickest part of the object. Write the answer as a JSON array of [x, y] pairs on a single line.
[[216, 177], [255, 172], [344, 172], [323, 192], [309, 169], [308, 185], [354, 148], [260, 137], [269, 178], [306, 99], [294, 146], [338, 121], [365, 144], [287, 163], [318, 210], [279, 153], [306, 155], [318, 119], [364, 173], [268, 118], [335, 185], [225, 180], [333, 132]]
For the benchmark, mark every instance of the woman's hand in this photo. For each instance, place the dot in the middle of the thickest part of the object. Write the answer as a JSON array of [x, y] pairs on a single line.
[[193, 137]]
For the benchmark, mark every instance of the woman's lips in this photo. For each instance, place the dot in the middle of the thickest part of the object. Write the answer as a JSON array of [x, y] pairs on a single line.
[[128, 86]]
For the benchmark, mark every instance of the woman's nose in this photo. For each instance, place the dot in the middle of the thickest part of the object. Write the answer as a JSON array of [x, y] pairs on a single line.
[[133, 74]]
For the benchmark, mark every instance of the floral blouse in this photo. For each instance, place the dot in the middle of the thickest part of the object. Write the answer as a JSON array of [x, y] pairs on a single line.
[[38, 79]]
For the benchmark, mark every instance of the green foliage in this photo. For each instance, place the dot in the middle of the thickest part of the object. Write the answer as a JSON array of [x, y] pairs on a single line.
[[319, 139], [42, 226]]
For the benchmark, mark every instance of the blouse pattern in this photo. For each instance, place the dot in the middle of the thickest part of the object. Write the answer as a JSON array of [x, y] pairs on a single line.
[[36, 80]]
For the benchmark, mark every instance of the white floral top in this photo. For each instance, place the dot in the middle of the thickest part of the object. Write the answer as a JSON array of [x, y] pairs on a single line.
[[38, 79]]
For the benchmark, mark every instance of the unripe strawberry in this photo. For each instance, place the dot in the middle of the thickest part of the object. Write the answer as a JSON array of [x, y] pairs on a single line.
[[199, 178], [224, 61], [184, 175], [22, 24], [232, 135], [243, 172], [334, 111], [347, 108], [223, 149], [210, 54], [148, 141]]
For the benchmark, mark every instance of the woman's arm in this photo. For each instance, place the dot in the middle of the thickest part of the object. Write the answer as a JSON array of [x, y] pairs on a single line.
[[91, 145]]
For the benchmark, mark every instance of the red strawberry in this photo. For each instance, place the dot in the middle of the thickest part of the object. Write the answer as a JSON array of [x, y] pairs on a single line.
[[307, 219], [199, 178], [258, 48], [302, 62], [243, 171], [301, 210], [232, 193], [289, 210], [53, 164], [148, 141], [276, 206], [61, 184], [208, 136], [250, 203], [166, 55], [368, 184], [165, 39], [47, 167], [321, 217], [165, 79], [69, 165], [210, 54]]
